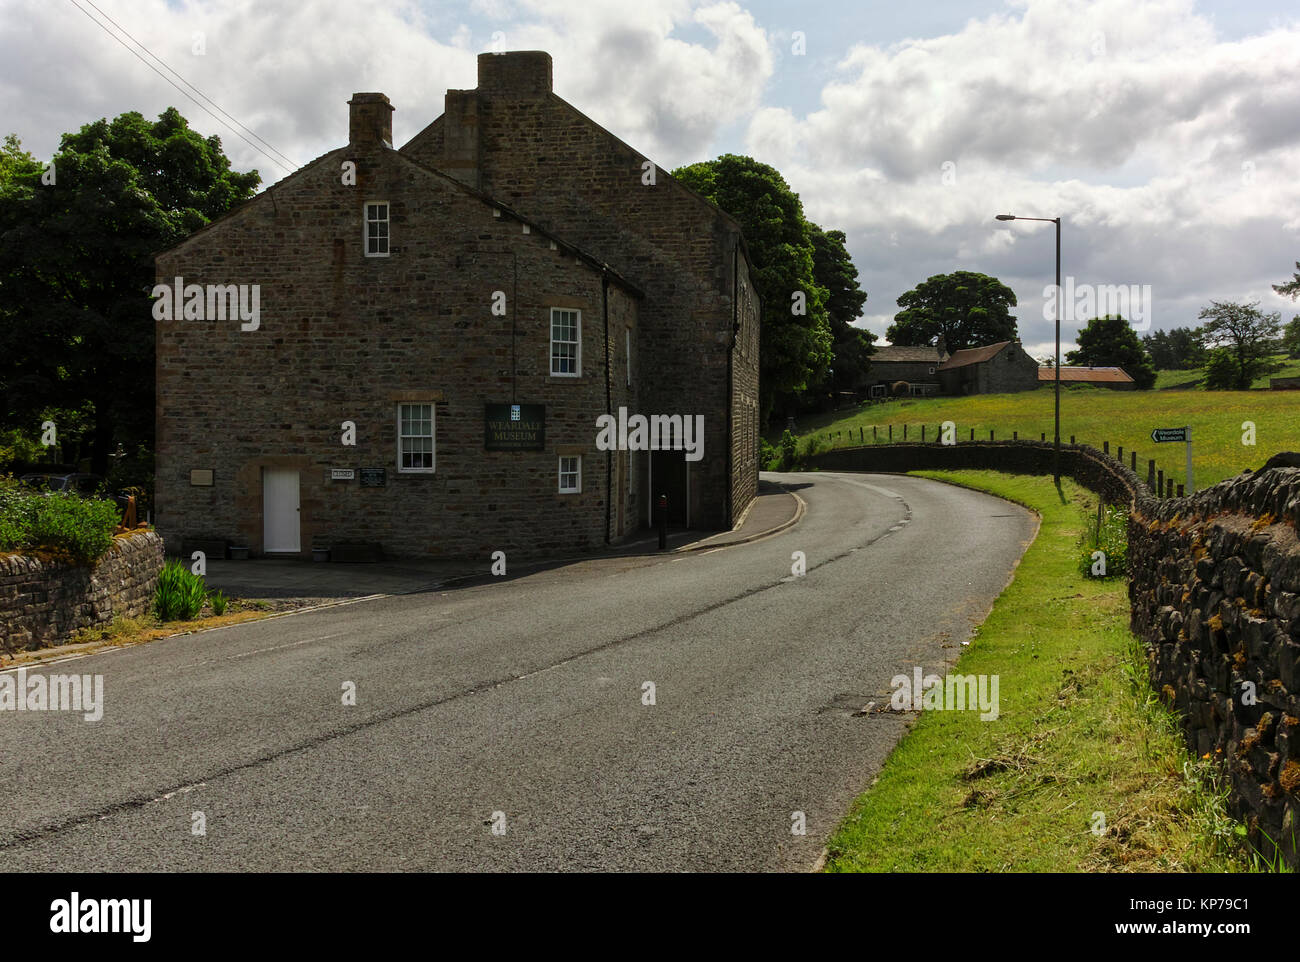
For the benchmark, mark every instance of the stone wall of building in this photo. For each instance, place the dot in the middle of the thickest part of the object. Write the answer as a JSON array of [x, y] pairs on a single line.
[[347, 338], [1214, 589], [514, 138], [43, 602]]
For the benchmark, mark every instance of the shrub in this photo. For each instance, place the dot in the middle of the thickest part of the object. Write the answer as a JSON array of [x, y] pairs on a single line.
[[180, 593], [1112, 541], [789, 447], [60, 521], [767, 455], [15, 515], [218, 602], [83, 527], [812, 444]]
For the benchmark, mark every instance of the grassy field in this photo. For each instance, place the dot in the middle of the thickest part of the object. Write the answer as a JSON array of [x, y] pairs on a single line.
[[1167, 380], [1079, 732], [1093, 416]]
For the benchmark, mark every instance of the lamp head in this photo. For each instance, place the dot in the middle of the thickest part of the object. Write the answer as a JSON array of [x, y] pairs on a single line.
[[1005, 217]]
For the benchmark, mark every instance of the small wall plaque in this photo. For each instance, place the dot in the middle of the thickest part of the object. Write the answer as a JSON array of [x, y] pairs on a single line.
[[373, 478], [201, 479], [342, 474]]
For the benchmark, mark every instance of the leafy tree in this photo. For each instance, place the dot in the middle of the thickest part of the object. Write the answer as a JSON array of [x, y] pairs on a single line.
[[965, 308], [795, 346], [1291, 337], [1221, 370], [833, 270], [15, 163], [76, 266], [1245, 332], [1291, 334], [1110, 341], [1290, 288], [1178, 349]]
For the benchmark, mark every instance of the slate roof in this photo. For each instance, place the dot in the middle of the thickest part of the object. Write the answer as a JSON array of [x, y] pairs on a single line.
[[974, 355], [889, 352]]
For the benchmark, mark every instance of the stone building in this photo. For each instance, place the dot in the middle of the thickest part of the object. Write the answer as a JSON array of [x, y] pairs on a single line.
[[929, 369], [917, 366], [1115, 378], [429, 335], [999, 368]]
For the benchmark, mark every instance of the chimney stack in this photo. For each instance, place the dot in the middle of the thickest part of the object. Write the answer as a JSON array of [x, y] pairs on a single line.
[[370, 120], [523, 74]]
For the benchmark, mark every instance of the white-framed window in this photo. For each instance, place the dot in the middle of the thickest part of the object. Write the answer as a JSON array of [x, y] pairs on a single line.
[[566, 342], [415, 438], [570, 474], [376, 233]]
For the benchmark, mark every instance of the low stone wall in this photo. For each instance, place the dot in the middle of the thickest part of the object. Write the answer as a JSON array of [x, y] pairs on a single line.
[[1215, 598], [1214, 591], [43, 602]]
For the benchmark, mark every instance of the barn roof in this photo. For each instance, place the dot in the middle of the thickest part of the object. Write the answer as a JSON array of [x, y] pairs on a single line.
[[973, 355], [1086, 375]]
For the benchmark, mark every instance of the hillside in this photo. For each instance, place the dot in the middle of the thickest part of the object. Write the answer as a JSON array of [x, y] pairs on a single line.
[[1093, 416], [1171, 380]]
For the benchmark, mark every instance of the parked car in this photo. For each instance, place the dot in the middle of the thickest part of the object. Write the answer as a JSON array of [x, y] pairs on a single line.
[[87, 485]]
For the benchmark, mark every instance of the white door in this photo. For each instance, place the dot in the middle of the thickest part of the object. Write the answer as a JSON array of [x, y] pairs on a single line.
[[280, 529]]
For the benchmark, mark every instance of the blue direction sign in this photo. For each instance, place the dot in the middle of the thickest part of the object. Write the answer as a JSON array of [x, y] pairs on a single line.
[[1161, 435]]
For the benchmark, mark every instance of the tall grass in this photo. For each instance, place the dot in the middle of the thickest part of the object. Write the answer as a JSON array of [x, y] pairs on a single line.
[[179, 594]]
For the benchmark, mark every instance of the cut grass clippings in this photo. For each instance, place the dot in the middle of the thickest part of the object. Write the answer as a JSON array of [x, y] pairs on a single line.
[[1079, 733]]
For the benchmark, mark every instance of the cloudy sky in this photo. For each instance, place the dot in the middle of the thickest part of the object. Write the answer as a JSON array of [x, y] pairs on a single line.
[[1165, 133]]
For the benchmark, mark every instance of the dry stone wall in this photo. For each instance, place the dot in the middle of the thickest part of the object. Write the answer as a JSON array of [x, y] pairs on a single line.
[[43, 602]]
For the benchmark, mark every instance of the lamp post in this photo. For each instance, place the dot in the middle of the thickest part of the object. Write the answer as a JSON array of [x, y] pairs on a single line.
[[1056, 452]]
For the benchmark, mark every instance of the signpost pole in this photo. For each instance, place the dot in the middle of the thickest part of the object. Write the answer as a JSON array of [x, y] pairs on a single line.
[[1191, 486]]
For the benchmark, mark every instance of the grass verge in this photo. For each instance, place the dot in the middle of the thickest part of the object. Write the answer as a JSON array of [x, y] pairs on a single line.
[[1080, 732], [122, 632]]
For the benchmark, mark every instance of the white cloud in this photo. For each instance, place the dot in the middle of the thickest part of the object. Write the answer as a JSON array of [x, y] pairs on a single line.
[[1169, 155]]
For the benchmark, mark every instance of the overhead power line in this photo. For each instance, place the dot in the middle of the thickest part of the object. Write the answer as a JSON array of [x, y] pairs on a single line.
[[287, 165]]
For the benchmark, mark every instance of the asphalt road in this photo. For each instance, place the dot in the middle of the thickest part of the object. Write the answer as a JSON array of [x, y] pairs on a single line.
[[525, 697]]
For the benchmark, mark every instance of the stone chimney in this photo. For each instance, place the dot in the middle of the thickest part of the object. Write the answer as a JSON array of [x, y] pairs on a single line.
[[370, 120], [524, 74]]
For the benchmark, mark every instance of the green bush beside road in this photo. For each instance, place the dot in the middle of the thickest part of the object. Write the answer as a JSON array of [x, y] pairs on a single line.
[[60, 522]]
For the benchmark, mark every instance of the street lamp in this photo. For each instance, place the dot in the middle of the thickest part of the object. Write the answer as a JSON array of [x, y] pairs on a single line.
[[1056, 453]]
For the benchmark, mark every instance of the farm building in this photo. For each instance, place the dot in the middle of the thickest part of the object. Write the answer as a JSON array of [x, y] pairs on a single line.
[[1115, 378]]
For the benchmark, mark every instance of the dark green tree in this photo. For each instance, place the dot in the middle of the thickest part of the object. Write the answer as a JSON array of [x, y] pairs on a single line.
[[833, 270], [796, 339], [1291, 337], [77, 240], [1110, 341], [965, 308], [1245, 332]]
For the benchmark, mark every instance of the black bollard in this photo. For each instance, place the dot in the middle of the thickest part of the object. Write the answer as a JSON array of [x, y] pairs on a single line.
[[662, 507]]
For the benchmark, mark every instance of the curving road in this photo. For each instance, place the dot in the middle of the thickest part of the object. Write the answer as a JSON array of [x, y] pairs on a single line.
[[525, 698]]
